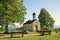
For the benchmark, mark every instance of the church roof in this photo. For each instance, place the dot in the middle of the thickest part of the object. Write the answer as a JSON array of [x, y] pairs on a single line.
[[29, 21]]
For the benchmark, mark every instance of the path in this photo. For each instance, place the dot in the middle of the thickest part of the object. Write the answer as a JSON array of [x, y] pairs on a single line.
[[16, 35]]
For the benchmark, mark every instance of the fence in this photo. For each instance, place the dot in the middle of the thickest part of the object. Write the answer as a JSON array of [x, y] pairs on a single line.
[[12, 33], [45, 32]]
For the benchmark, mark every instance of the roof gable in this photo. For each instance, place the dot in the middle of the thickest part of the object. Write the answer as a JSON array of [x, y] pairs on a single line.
[[29, 21]]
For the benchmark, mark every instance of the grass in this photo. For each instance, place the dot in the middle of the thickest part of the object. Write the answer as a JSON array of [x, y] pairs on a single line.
[[48, 37], [53, 36]]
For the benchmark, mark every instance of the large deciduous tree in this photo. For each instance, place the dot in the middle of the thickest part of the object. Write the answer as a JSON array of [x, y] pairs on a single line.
[[45, 19], [11, 11]]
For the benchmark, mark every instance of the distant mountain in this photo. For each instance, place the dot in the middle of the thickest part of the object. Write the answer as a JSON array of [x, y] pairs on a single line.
[[13, 27], [57, 26]]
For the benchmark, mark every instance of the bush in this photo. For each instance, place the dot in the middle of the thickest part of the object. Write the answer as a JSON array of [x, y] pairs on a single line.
[[46, 28], [56, 30]]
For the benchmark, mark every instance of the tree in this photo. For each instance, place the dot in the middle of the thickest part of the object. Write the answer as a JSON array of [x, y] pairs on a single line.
[[45, 19], [11, 11], [2, 28]]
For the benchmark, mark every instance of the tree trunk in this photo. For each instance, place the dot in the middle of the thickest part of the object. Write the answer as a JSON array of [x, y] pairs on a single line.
[[6, 29]]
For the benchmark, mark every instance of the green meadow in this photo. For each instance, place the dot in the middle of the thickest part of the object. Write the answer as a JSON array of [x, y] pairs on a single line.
[[34, 38], [53, 36]]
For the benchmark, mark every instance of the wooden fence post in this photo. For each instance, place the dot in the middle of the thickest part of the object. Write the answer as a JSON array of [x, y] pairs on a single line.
[[22, 34], [11, 35]]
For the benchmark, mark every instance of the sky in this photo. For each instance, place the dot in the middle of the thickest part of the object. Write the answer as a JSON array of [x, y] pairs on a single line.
[[52, 6]]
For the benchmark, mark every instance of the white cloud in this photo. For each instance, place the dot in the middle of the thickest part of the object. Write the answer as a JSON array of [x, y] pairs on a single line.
[[57, 19]]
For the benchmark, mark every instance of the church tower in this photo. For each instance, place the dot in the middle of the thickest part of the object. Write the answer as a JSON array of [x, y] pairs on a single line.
[[34, 15]]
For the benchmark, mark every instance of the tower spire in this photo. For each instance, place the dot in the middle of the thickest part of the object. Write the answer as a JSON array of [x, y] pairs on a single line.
[[34, 15]]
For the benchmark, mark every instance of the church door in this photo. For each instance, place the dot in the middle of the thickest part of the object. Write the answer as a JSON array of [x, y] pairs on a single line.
[[36, 28]]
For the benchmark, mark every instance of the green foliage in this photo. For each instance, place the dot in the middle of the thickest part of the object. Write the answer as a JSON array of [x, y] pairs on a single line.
[[45, 19], [45, 28], [11, 11], [56, 30], [2, 28]]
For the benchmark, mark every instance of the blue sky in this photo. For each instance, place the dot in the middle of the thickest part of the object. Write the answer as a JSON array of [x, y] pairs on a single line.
[[52, 6]]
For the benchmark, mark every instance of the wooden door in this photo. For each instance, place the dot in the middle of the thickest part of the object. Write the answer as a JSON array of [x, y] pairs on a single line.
[[36, 28]]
